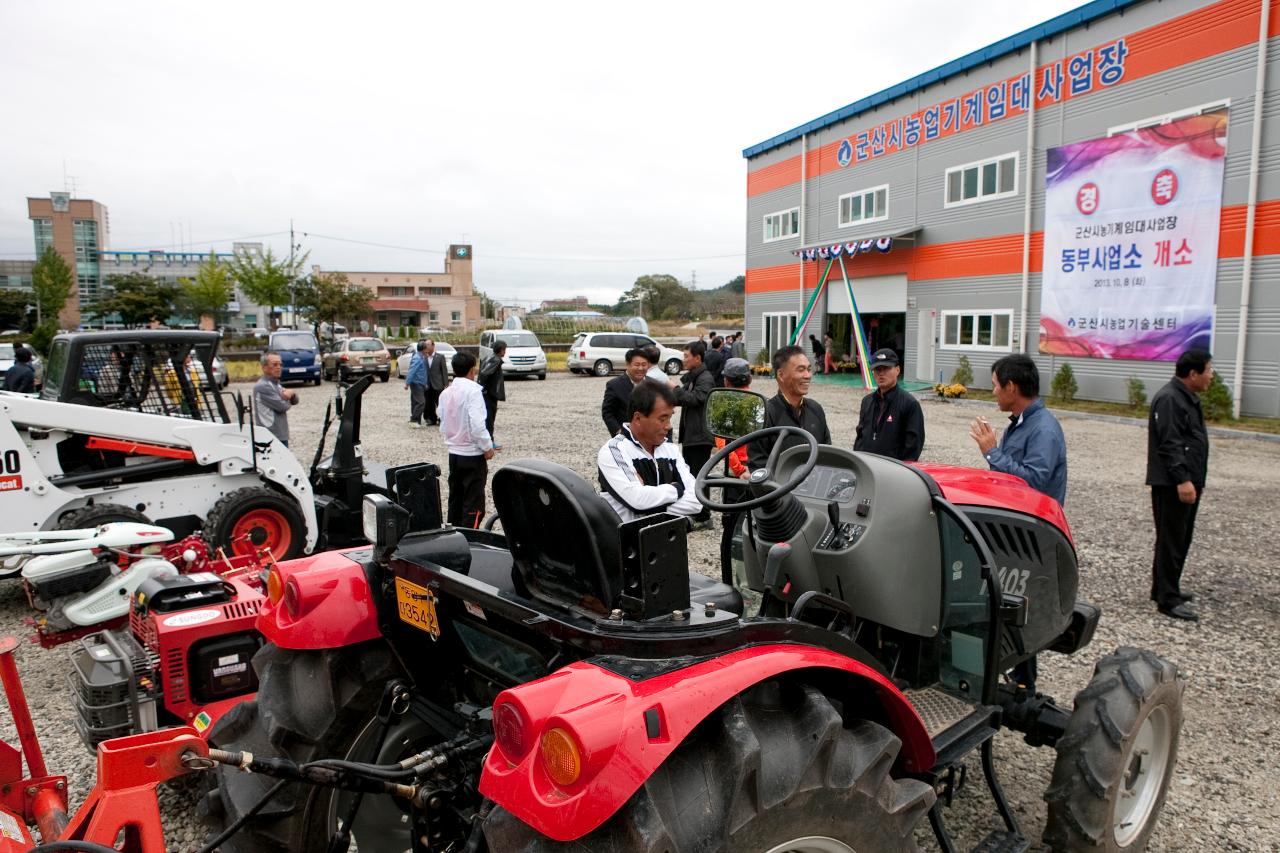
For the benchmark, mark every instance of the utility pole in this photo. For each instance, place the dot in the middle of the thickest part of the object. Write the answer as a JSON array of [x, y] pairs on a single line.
[[293, 282]]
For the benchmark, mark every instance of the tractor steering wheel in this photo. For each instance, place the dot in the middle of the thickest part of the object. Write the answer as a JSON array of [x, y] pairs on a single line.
[[761, 481]]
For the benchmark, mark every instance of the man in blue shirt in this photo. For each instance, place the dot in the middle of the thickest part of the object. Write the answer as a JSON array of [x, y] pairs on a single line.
[[1033, 446], [415, 382]]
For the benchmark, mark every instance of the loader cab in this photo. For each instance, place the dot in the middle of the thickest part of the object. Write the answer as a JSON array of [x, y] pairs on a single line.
[[158, 372]]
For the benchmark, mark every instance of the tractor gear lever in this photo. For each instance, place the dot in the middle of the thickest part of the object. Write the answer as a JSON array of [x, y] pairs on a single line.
[[833, 515], [773, 563]]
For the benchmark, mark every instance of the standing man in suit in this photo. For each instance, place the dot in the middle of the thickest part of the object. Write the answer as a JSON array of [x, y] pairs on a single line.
[[493, 384], [437, 378], [617, 393], [715, 360]]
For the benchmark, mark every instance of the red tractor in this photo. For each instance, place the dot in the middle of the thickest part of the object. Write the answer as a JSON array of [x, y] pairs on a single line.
[[570, 685]]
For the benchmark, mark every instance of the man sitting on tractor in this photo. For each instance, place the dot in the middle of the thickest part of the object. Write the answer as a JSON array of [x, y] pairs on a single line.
[[641, 472]]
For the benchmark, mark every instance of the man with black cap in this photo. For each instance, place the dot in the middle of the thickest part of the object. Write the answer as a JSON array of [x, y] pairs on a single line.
[[890, 422]]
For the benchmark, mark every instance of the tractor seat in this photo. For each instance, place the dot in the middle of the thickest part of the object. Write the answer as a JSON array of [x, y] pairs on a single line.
[[565, 540]]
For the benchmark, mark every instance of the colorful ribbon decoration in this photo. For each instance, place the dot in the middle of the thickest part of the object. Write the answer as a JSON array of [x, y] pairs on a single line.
[[813, 301], [859, 339]]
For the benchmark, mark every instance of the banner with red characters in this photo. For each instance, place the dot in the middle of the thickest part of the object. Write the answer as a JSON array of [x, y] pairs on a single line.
[[1131, 241]]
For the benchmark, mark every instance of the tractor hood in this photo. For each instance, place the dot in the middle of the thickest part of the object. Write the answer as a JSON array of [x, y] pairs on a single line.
[[975, 487]]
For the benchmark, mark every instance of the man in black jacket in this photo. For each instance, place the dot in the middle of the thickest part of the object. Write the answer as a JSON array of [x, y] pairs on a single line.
[[890, 422], [617, 391], [437, 378], [21, 377], [493, 385], [790, 406], [714, 360], [1177, 463], [691, 396]]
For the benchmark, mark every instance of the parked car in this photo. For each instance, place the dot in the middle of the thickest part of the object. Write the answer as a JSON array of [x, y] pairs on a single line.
[[358, 356], [7, 353], [524, 356], [299, 354], [220, 375], [602, 353], [406, 355]]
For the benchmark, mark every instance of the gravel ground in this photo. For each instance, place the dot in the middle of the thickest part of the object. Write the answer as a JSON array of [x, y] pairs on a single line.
[[1223, 795]]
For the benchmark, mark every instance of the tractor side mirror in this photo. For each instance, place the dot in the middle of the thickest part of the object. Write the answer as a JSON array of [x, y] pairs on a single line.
[[733, 413], [384, 522]]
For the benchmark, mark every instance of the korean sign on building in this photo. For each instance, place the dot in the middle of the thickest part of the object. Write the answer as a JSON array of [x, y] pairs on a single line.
[[1131, 241]]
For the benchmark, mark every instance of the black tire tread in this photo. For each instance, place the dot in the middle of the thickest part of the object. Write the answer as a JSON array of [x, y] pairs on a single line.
[[92, 516], [1090, 765], [752, 767]]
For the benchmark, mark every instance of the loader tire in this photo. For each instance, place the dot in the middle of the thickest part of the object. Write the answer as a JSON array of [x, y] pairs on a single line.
[[1117, 755], [92, 516], [247, 519], [311, 705], [776, 768]]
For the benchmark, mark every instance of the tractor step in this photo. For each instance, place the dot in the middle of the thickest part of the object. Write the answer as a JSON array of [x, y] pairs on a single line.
[[1003, 842]]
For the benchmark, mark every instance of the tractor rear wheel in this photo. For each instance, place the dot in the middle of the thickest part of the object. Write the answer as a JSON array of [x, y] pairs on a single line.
[[775, 769], [312, 705], [92, 516], [248, 519], [1117, 755]]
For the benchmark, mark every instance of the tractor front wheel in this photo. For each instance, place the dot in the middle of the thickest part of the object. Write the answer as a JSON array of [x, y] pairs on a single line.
[[777, 768], [312, 705], [1116, 757], [250, 519]]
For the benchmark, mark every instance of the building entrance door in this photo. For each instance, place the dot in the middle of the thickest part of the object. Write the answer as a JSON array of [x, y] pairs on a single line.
[[925, 340]]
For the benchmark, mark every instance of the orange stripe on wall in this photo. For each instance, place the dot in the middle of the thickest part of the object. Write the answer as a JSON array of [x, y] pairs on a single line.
[[1000, 255], [1197, 35]]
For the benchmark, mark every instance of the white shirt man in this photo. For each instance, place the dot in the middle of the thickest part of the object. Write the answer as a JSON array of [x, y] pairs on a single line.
[[462, 425], [641, 473]]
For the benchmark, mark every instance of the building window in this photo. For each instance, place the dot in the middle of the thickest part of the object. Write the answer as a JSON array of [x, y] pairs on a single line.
[[408, 319], [986, 179], [778, 329], [781, 225], [251, 320], [1156, 121], [990, 331], [433, 316], [44, 234], [455, 317], [864, 206], [402, 291], [433, 291]]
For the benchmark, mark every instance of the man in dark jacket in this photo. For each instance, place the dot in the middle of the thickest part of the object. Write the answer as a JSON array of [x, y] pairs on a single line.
[[790, 406], [691, 396], [890, 422], [437, 378], [1177, 463], [493, 385], [819, 353], [21, 377], [617, 391], [714, 360]]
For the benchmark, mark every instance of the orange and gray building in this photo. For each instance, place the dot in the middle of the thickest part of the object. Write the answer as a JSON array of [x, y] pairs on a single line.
[[436, 300], [934, 192], [78, 229]]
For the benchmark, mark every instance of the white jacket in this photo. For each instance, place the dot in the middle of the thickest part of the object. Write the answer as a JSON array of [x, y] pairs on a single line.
[[636, 483], [462, 417]]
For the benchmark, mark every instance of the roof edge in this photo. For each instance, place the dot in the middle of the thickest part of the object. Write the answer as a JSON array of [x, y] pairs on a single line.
[[1067, 20]]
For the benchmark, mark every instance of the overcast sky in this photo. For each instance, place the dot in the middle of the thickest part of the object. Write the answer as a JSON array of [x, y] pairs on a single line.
[[576, 146]]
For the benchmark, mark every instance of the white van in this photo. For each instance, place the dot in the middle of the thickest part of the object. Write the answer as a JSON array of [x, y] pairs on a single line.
[[524, 356], [603, 353]]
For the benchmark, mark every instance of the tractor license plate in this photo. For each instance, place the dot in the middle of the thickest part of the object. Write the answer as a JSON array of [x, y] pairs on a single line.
[[417, 606]]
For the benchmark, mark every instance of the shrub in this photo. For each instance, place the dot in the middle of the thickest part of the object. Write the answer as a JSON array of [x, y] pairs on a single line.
[[1064, 384], [762, 357], [1217, 400], [963, 374], [1137, 393], [43, 336]]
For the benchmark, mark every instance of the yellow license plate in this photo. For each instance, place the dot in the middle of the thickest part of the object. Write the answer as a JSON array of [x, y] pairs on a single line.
[[417, 606]]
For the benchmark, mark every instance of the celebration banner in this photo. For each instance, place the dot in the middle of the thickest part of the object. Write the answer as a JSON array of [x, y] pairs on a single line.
[[1131, 241]]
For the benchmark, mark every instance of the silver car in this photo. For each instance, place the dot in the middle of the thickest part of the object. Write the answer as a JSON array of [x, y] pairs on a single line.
[[406, 355]]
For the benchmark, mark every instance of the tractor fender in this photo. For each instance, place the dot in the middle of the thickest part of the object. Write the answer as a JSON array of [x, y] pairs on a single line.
[[326, 603], [625, 729]]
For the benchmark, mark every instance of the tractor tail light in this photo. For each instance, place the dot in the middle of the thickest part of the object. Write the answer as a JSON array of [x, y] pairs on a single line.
[[292, 599], [275, 585], [561, 756], [511, 730]]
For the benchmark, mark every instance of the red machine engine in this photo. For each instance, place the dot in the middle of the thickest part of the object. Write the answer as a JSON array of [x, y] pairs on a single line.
[[185, 659]]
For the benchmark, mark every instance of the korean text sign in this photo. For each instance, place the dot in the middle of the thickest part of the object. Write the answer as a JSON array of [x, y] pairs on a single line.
[[1131, 241]]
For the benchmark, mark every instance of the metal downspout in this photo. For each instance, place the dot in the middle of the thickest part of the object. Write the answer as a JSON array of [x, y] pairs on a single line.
[[1027, 188], [1246, 277], [804, 179]]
